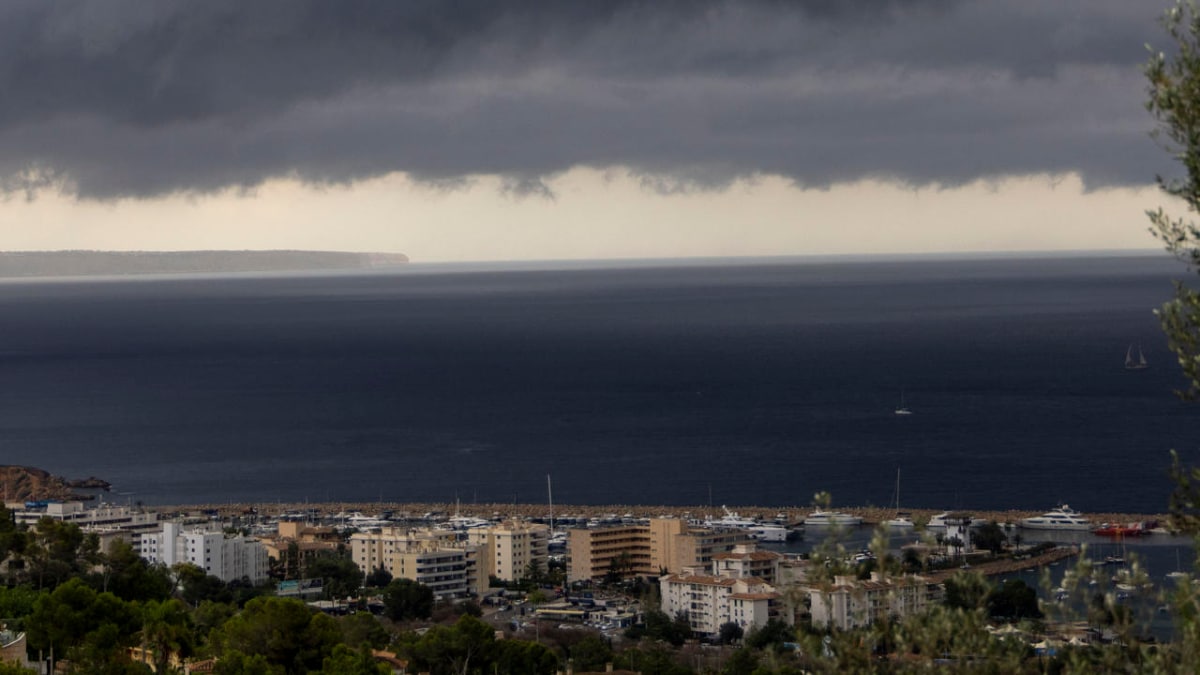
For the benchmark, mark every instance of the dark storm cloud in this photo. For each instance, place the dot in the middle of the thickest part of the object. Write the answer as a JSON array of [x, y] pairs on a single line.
[[120, 98]]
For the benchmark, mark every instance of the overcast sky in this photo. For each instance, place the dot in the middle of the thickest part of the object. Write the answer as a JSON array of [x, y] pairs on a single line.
[[504, 130]]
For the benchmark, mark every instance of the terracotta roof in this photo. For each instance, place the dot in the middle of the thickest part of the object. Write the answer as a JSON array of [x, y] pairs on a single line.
[[752, 555], [754, 596], [389, 657], [205, 666], [704, 580]]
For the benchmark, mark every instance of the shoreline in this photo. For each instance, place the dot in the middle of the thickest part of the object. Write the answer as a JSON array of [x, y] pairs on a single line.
[[792, 514]]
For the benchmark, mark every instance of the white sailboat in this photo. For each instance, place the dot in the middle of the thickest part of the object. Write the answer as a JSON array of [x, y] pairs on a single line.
[[1178, 573], [901, 520], [1135, 364], [902, 409]]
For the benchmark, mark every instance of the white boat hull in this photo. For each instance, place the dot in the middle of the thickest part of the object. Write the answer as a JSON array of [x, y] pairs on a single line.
[[1064, 527]]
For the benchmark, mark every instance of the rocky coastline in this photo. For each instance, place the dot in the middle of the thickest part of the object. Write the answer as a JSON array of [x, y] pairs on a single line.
[[27, 483]]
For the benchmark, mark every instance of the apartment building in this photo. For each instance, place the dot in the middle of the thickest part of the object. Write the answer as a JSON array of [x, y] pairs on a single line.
[[644, 550], [227, 558], [434, 558], [296, 544], [507, 550], [109, 521], [710, 601], [850, 603], [745, 560], [623, 549]]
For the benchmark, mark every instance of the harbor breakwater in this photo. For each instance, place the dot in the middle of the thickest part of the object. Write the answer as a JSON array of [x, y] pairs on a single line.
[[790, 514]]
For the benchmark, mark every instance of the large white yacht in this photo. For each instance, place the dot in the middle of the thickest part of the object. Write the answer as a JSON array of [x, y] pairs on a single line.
[[821, 518], [1061, 518], [730, 521], [760, 531]]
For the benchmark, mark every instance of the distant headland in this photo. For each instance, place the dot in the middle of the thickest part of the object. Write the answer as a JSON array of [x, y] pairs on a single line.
[[103, 263], [21, 483]]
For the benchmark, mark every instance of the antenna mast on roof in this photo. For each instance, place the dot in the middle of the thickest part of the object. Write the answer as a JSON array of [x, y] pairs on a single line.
[[550, 498]]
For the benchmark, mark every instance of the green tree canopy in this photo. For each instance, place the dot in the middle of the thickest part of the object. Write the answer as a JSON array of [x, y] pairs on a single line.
[[129, 577], [378, 578], [773, 633], [591, 653], [80, 623], [57, 551], [233, 662], [990, 537], [466, 647], [660, 626], [966, 590], [1174, 100], [347, 661], [729, 633], [340, 576], [284, 631], [362, 628], [406, 599], [166, 631], [1014, 599]]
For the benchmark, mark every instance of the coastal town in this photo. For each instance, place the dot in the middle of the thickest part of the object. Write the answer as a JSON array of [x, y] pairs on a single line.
[[716, 575]]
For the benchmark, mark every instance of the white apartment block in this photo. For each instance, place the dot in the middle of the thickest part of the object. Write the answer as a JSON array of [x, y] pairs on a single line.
[[430, 557], [850, 603], [227, 558], [107, 520], [711, 601], [507, 549]]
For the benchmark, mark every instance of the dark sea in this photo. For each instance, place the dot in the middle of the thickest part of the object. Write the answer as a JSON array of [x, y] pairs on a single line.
[[747, 382]]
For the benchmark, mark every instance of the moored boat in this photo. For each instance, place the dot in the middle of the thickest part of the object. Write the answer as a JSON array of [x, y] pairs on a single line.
[[762, 531], [1135, 364], [1120, 530], [902, 519], [1061, 518], [821, 518]]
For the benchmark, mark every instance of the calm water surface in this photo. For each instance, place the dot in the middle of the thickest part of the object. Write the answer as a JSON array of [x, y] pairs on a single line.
[[755, 383]]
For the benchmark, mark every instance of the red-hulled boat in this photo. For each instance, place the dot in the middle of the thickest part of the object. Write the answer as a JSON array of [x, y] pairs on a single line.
[[1119, 530]]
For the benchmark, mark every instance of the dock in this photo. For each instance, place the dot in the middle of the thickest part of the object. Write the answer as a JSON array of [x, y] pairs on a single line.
[[1010, 566]]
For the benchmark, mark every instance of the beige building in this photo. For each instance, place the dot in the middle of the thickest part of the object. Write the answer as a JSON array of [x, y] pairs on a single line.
[[696, 548], [745, 560], [433, 558], [644, 550], [302, 540], [593, 552], [506, 550], [712, 601], [850, 603]]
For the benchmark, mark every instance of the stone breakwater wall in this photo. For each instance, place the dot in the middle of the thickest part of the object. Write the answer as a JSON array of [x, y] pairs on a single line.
[[791, 514]]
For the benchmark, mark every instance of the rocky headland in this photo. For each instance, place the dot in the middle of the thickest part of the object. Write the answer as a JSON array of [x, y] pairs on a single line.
[[26, 483]]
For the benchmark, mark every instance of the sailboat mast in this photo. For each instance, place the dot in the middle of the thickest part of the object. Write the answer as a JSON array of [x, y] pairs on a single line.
[[550, 498]]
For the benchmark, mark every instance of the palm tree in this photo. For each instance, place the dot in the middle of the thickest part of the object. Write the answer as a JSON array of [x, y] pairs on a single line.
[[166, 632]]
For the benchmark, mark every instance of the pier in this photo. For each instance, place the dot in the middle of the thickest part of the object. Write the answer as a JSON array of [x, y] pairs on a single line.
[[1012, 566]]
